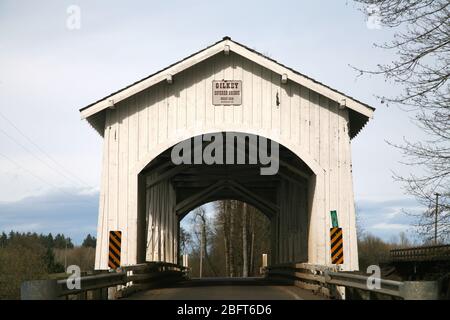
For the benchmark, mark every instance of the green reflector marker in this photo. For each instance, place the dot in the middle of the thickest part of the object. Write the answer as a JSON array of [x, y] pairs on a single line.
[[334, 219]]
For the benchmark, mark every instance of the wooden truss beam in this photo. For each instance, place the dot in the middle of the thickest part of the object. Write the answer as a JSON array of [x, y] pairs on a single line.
[[253, 195], [197, 197], [166, 175]]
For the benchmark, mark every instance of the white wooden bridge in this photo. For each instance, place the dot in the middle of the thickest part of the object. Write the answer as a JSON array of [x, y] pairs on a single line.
[[144, 194]]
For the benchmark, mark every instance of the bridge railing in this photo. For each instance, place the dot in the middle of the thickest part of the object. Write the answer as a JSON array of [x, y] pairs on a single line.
[[128, 279], [329, 281], [424, 253], [307, 276], [355, 281]]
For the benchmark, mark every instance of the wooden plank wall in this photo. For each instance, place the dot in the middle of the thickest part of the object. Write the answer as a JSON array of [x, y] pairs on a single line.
[[304, 120], [162, 223], [292, 240]]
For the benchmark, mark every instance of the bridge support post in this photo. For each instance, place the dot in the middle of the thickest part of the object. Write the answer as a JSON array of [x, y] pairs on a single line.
[[420, 290], [39, 290], [112, 293]]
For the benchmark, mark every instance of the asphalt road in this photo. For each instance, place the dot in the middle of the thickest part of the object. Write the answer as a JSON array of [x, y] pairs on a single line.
[[227, 289]]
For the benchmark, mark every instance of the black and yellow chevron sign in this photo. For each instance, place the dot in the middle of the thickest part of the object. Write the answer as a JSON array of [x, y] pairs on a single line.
[[337, 246], [115, 240]]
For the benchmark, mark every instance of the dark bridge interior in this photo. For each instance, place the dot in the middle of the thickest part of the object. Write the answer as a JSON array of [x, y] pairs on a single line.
[[282, 197]]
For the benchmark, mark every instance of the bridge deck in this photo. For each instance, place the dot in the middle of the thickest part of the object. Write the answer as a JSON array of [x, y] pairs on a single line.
[[227, 289]]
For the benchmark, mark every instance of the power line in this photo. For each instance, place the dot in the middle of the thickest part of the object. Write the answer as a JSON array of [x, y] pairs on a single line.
[[35, 156], [79, 181], [34, 175]]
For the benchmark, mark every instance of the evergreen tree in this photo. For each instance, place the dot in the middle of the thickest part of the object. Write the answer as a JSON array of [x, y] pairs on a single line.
[[89, 241], [61, 242], [3, 240], [52, 265]]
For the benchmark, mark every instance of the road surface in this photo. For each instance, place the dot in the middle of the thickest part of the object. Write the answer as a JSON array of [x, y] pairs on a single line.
[[227, 289]]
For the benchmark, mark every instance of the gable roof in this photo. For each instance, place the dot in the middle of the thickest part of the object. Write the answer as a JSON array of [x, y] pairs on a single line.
[[359, 115]]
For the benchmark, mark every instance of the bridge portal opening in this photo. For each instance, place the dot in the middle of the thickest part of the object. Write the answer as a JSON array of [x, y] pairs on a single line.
[[246, 168], [225, 238]]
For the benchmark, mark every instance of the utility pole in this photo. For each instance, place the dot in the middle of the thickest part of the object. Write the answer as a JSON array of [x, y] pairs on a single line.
[[436, 218]]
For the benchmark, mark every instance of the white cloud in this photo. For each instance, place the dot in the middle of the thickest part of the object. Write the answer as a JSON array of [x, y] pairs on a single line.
[[390, 226], [73, 212], [387, 218], [22, 227]]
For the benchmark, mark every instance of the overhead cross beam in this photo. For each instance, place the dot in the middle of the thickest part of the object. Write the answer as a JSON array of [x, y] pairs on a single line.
[[292, 179], [242, 189], [269, 184], [199, 196], [166, 175], [294, 169], [246, 194], [248, 199]]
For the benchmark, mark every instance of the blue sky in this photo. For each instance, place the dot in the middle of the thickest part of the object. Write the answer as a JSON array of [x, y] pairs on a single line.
[[48, 72], [72, 213]]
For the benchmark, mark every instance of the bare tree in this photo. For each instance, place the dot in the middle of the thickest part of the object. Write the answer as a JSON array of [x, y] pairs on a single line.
[[421, 68], [360, 232], [244, 242], [222, 235], [202, 237], [404, 241], [252, 241], [231, 206], [185, 240], [223, 217]]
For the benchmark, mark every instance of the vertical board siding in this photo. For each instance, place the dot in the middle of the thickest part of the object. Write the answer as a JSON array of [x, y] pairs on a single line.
[[257, 95], [113, 171], [248, 87], [228, 73], [266, 98], [161, 228], [205, 93], [142, 125], [102, 223], [132, 157], [238, 65], [123, 163], [294, 117], [275, 124], [165, 112], [151, 128], [191, 111], [293, 237], [304, 124]]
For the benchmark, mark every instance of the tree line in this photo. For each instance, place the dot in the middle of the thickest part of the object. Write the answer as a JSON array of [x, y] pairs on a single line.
[[60, 241], [49, 241], [32, 256], [373, 250]]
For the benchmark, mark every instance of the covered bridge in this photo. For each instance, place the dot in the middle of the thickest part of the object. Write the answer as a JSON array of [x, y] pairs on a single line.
[[223, 89]]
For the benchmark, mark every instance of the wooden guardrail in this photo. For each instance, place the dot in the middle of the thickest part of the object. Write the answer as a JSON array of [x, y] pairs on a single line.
[[327, 280], [128, 279], [304, 275], [424, 253]]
